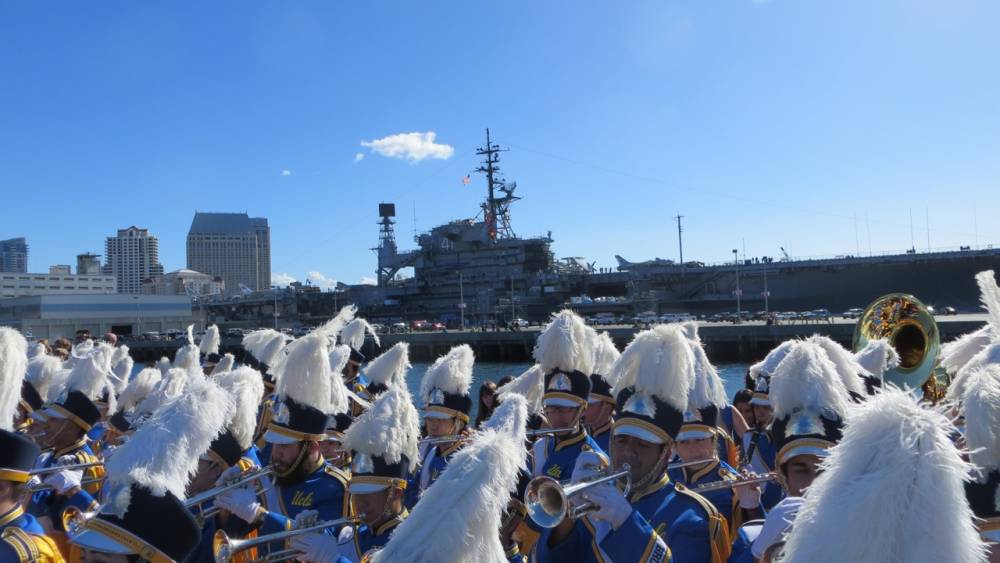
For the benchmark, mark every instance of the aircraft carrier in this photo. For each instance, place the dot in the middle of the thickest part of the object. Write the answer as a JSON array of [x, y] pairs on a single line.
[[478, 270]]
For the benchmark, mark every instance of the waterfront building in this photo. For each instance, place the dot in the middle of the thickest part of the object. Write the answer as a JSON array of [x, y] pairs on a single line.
[[232, 246], [27, 284], [14, 255], [132, 256], [184, 282], [51, 316]]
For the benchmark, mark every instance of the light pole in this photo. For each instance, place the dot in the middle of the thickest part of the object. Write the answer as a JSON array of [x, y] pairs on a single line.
[[461, 300], [275, 291], [736, 262], [766, 292]]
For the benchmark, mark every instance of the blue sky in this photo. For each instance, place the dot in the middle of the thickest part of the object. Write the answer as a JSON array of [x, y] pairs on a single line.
[[764, 123]]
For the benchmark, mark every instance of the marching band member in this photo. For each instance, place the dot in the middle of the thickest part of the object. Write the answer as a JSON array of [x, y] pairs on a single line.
[[307, 394], [653, 378], [981, 409], [447, 404], [601, 405], [810, 406], [383, 442], [856, 379], [336, 424], [388, 370], [261, 350], [467, 500], [143, 516], [353, 336], [208, 349], [891, 490], [44, 381]]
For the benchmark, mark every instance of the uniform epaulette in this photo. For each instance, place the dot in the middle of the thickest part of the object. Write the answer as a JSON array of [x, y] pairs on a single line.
[[718, 528], [339, 474], [30, 547]]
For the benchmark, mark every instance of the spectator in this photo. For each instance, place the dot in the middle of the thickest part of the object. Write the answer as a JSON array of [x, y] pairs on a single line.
[[741, 402], [487, 401]]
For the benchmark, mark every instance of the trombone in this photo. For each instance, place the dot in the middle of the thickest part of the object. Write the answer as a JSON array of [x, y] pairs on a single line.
[[225, 548], [549, 502], [201, 498], [720, 485]]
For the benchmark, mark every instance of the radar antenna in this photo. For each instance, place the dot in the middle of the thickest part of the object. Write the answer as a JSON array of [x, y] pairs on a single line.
[[496, 208]]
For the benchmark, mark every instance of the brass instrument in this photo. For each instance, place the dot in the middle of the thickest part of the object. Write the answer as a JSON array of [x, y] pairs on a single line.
[[225, 548], [68, 467], [549, 502], [720, 485], [459, 437], [910, 329], [34, 486], [201, 498]]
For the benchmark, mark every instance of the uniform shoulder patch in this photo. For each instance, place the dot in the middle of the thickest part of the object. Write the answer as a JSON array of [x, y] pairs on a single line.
[[22, 543], [338, 474], [707, 506]]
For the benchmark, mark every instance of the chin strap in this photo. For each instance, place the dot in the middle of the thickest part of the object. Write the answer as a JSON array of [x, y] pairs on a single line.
[[298, 461]]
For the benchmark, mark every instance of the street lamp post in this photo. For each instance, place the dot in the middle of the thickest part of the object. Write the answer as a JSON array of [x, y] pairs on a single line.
[[461, 299], [736, 262]]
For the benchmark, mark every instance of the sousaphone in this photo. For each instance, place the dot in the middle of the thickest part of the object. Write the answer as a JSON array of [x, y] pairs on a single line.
[[909, 327]]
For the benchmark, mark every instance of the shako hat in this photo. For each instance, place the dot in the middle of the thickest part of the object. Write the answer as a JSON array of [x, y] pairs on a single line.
[[209, 345], [445, 386], [303, 387], [605, 355], [389, 369], [246, 390], [353, 336], [87, 385], [563, 350], [708, 394], [654, 376], [383, 441]]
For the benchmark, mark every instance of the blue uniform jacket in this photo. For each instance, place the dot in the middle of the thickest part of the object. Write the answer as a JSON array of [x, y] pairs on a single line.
[[723, 499], [18, 532], [433, 463], [602, 436], [668, 523], [47, 503], [364, 539]]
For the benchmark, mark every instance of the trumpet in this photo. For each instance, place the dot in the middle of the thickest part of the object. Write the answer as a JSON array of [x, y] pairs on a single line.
[[225, 548], [201, 498], [459, 437], [720, 485], [68, 467], [34, 486], [549, 502]]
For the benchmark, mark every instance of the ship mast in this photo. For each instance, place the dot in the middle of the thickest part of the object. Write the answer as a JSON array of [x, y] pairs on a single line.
[[496, 208]]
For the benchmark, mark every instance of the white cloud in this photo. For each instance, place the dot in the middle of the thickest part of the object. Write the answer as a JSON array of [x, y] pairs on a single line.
[[359, 156], [365, 280], [286, 172], [282, 279], [319, 280], [410, 146]]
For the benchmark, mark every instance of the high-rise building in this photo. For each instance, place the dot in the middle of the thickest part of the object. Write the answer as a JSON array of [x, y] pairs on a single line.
[[88, 264], [14, 255], [132, 256], [232, 246]]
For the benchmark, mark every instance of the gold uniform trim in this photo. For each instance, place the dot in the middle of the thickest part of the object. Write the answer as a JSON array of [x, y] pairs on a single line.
[[298, 436], [14, 514], [450, 412], [638, 422], [564, 395], [76, 420], [128, 539], [802, 442], [376, 480], [15, 475]]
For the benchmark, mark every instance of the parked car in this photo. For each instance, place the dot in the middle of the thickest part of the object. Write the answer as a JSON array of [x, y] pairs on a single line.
[[947, 311], [520, 323], [853, 313]]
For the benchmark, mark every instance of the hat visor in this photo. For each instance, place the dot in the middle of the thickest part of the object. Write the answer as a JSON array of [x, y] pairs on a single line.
[[796, 451], [272, 437], [438, 415], [559, 402], [684, 435], [760, 402], [622, 428], [365, 488], [96, 541]]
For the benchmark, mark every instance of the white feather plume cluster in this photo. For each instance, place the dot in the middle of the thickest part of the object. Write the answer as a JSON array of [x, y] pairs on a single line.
[[530, 385], [658, 362], [891, 490], [47, 375], [210, 342], [771, 360], [806, 380], [339, 355], [390, 428], [164, 365], [245, 389], [353, 334], [163, 454], [564, 344], [848, 368], [138, 389], [36, 350], [303, 373], [605, 355], [13, 364], [332, 328], [468, 499], [89, 374], [171, 386], [989, 295], [708, 388], [225, 364], [121, 367], [451, 373], [987, 356], [878, 357], [390, 367], [188, 356], [981, 407], [955, 354], [265, 345]]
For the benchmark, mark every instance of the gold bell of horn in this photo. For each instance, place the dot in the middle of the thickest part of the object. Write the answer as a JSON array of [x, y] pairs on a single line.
[[909, 327]]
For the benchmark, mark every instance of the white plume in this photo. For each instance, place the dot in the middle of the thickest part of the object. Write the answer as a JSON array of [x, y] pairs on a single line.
[[353, 334], [771, 361], [848, 368], [981, 406], [878, 357], [658, 362], [708, 388], [605, 355], [265, 345], [304, 373], [210, 342], [390, 428], [989, 294], [90, 373], [987, 356], [171, 386], [891, 490], [163, 364], [955, 354], [163, 453], [690, 329], [119, 354], [47, 376], [564, 344], [390, 367], [225, 364], [122, 369], [451, 373], [334, 326], [36, 350], [245, 389], [807, 380], [339, 355], [468, 499], [338, 391], [13, 364], [530, 385], [138, 389], [188, 356]]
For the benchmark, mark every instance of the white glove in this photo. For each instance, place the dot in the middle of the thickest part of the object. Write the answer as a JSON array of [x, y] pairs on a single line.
[[241, 502], [588, 465], [748, 495], [228, 475], [65, 480], [614, 507], [305, 519], [315, 548]]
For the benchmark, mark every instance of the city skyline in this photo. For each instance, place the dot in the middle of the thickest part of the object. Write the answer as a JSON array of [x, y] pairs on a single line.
[[823, 130]]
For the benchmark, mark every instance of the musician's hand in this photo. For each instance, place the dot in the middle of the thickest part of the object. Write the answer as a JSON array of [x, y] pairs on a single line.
[[230, 475], [65, 482], [241, 502], [588, 465], [315, 548], [614, 507], [748, 495]]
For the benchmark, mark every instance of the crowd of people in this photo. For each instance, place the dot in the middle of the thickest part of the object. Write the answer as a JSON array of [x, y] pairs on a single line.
[[306, 449]]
